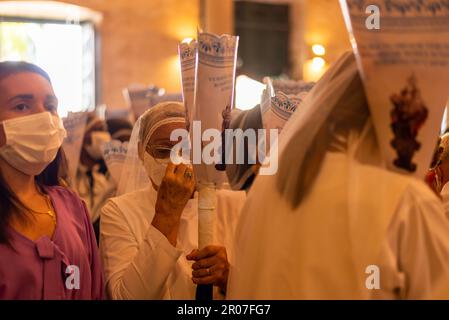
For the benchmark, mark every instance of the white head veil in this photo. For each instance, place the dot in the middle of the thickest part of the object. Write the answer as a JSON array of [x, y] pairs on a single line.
[[134, 176], [333, 120], [310, 130]]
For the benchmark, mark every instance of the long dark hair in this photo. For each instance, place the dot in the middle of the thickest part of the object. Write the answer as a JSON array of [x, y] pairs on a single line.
[[54, 174]]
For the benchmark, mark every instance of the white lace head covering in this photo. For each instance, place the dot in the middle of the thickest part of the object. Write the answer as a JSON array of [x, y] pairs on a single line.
[[134, 176]]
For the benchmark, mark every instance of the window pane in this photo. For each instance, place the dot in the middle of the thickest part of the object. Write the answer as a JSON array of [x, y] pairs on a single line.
[[65, 51]]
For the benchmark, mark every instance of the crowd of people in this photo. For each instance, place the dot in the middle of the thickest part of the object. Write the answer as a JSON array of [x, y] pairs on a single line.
[[309, 231]]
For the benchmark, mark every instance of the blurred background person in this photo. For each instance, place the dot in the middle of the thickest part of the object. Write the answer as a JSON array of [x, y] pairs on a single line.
[[93, 183], [119, 129], [312, 230], [44, 227]]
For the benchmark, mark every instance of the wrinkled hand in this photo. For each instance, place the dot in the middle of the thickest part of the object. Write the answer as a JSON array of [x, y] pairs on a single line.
[[175, 190], [211, 266]]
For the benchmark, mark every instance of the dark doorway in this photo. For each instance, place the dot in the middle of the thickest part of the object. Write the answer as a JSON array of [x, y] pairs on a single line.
[[264, 31]]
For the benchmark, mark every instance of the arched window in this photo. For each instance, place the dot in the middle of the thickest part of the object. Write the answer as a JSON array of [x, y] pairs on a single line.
[[61, 39]]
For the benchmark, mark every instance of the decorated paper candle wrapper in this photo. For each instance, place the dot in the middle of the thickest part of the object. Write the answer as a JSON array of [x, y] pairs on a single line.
[[138, 98], [281, 108], [405, 70], [289, 86], [214, 93], [75, 124], [114, 153], [268, 93], [187, 57], [280, 100], [277, 107]]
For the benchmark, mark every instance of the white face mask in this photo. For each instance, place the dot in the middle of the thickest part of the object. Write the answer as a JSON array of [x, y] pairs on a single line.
[[32, 142], [155, 169], [95, 149]]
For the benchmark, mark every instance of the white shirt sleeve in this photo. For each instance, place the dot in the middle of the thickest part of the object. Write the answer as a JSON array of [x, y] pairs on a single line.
[[419, 238], [134, 270]]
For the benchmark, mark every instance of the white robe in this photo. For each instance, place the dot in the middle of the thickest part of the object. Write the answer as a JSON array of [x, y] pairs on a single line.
[[139, 262], [355, 216]]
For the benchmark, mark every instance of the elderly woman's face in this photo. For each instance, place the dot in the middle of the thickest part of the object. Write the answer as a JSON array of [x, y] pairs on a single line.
[[160, 145]]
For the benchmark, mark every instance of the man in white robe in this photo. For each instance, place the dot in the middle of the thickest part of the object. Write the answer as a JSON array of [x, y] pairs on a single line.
[[92, 181], [333, 223]]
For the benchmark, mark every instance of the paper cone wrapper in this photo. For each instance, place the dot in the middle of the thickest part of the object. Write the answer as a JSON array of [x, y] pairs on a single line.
[[214, 92], [114, 154], [74, 124], [156, 99], [405, 70], [187, 57], [280, 110], [289, 86], [137, 100]]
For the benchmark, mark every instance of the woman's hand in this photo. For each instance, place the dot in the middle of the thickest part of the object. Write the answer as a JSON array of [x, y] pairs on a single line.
[[175, 190], [211, 266]]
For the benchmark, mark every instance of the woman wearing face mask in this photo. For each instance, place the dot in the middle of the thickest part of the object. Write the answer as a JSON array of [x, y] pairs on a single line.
[[93, 183], [47, 245], [149, 236]]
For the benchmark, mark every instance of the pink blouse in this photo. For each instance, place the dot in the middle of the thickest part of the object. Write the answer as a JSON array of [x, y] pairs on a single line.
[[65, 267]]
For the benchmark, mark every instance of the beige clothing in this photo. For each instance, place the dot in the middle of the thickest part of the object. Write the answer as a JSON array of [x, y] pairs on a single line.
[[354, 217]]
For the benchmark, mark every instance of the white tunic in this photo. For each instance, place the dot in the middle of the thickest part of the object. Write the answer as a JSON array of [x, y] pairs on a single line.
[[139, 261], [354, 217]]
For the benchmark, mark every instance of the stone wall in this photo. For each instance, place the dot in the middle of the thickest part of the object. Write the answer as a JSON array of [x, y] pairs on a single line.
[[139, 41]]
